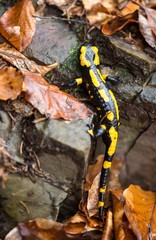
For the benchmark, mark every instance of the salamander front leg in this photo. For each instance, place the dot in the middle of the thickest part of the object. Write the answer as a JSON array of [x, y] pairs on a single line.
[[72, 84], [97, 131], [110, 79]]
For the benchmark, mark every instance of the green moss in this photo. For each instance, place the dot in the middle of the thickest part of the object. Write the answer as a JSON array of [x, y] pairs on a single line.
[[72, 61]]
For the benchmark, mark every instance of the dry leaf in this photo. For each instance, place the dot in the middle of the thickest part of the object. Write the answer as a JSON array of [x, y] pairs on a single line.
[[13, 234], [93, 197], [17, 59], [74, 228], [11, 82], [52, 102], [43, 229], [151, 16], [140, 209], [130, 7], [91, 187], [146, 30], [89, 4], [118, 23], [99, 12], [17, 24], [108, 228], [69, 7], [93, 171]]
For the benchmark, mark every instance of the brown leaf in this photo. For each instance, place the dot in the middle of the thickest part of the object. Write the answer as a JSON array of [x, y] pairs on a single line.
[[118, 23], [93, 171], [151, 16], [98, 12], [42, 229], [146, 30], [17, 59], [108, 229], [74, 228], [118, 212], [52, 102], [17, 24], [90, 4], [140, 209], [91, 187], [93, 197], [130, 7], [10, 83]]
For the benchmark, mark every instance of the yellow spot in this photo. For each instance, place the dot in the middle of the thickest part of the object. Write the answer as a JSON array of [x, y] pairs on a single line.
[[103, 126], [101, 75], [102, 190], [90, 131], [104, 77], [98, 108], [83, 60], [110, 116], [100, 204], [107, 164], [95, 49], [91, 96], [94, 78], [96, 58], [79, 81], [114, 136], [115, 103], [103, 95]]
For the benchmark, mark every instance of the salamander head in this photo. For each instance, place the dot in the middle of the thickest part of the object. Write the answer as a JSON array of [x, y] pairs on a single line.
[[89, 55]]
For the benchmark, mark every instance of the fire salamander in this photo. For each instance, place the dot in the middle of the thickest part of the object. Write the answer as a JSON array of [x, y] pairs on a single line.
[[107, 110]]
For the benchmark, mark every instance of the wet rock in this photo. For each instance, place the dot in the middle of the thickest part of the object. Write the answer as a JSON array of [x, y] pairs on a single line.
[[139, 167], [129, 56], [63, 149], [52, 42], [24, 200], [67, 157], [11, 134]]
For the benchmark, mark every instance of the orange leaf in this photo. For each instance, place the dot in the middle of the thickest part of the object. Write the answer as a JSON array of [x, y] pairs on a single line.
[[118, 23], [17, 59], [17, 24], [10, 83], [52, 102], [42, 229], [129, 8], [140, 209]]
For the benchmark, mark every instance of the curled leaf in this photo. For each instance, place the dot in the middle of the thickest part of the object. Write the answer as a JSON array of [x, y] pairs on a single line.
[[52, 102], [17, 24], [118, 23], [17, 59]]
